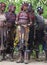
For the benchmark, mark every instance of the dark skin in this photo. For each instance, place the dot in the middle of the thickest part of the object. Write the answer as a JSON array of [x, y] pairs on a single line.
[[12, 9], [40, 12], [2, 8], [25, 8], [2, 11]]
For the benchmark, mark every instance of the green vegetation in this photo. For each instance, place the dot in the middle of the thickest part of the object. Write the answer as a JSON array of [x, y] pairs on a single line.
[[35, 4]]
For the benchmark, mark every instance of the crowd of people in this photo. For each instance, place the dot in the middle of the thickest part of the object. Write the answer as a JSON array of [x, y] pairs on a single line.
[[30, 28]]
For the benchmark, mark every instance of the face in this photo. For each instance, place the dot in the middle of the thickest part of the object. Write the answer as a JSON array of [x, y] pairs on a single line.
[[3, 8], [25, 7], [40, 12], [12, 9]]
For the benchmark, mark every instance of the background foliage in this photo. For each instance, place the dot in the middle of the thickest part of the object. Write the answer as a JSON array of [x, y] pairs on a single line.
[[35, 4]]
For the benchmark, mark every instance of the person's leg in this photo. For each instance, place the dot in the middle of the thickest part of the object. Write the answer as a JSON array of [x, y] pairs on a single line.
[[11, 49], [12, 55], [26, 52], [21, 57], [37, 53], [21, 53], [2, 43], [37, 43], [46, 54], [3, 54], [46, 50], [31, 40], [2, 39], [37, 50]]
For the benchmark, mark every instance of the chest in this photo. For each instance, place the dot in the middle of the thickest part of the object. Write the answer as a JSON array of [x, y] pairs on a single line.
[[23, 15], [10, 16], [2, 17]]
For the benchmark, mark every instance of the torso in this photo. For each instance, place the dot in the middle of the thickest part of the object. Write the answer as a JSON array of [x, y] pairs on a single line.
[[11, 17], [23, 18], [2, 19]]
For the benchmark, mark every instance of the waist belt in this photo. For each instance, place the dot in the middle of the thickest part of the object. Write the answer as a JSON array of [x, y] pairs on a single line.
[[23, 19]]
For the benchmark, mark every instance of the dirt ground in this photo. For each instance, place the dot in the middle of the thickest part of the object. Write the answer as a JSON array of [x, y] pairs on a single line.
[[14, 63]]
